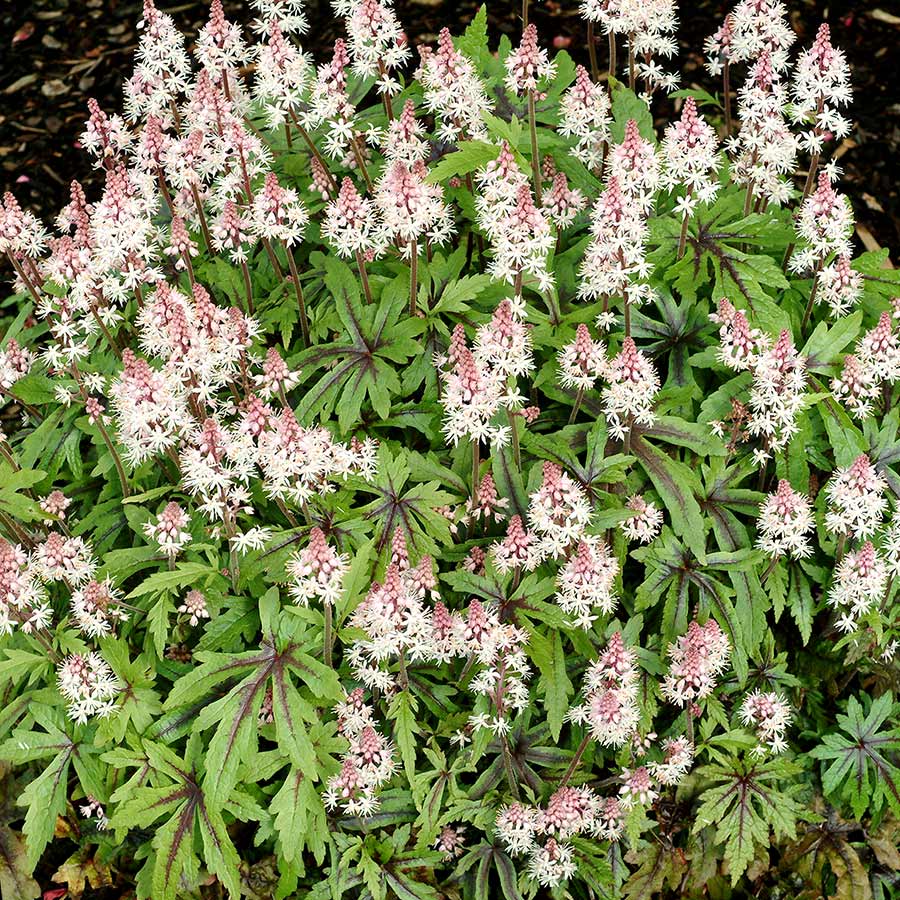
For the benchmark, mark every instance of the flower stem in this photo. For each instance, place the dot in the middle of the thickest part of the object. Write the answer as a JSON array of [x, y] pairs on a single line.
[[508, 767], [328, 634], [315, 152], [632, 69], [514, 428], [204, 228], [682, 240], [404, 675], [812, 298], [769, 569], [592, 51], [37, 414], [726, 91], [298, 290], [106, 332], [611, 74], [578, 399], [476, 470], [576, 759], [248, 286], [364, 275], [413, 277], [535, 156], [120, 469], [25, 279], [357, 155]]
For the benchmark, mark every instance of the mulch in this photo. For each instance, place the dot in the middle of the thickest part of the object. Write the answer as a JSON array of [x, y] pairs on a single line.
[[56, 54]]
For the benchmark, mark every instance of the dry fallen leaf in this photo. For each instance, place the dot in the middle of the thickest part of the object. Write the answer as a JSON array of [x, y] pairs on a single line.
[[20, 83], [54, 88], [25, 32], [882, 16], [846, 145], [886, 853], [869, 242], [872, 203]]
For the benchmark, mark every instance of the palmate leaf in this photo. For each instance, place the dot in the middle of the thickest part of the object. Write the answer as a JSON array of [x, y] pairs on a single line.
[[182, 803], [412, 509], [360, 364], [659, 865], [674, 572], [45, 795], [719, 241], [746, 804], [490, 860], [675, 337], [235, 712], [858, 770]]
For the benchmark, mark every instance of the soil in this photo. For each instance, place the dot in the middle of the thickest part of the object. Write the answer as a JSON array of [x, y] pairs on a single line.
[[56, 54]]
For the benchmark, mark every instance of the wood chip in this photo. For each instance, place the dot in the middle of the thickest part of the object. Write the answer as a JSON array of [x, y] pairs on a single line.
[[20, 83], [881, 16], [845, 145], [872, 203], [55, 87], [869, 242]]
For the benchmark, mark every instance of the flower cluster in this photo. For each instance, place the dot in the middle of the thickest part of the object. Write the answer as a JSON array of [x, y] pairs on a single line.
[[633, 385], [368, 763], [785, 520], [317, 572], [610, 710], [777, 394], [698, 658], [769, 714], [89, 686]]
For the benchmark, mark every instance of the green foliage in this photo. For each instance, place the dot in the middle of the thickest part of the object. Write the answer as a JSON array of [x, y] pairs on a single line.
[[222, 762], [857, 768]]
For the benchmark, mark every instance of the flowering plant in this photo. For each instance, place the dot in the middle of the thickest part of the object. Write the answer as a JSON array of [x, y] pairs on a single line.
[[433, 480]]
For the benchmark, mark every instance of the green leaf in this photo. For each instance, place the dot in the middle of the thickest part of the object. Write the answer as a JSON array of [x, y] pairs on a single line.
[[676, 484], [627, 105], [300, 819], [402, 712], [289, 711], [860, 772], [470, 156], [547, 652], [45, 799], [158, 622], [174, 853], [745, 804]]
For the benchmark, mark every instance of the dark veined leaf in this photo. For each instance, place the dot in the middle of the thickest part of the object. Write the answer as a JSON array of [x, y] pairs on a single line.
[[299, 817], [677, 485], [235, 711], [182, 803], [16, 882], [858, 771], [746, 803]]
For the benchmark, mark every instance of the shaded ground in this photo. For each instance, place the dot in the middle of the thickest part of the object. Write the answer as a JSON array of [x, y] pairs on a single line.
[[57, 53]]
